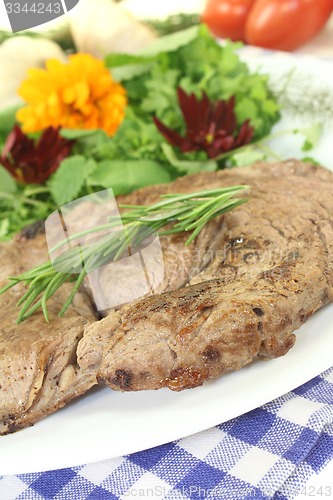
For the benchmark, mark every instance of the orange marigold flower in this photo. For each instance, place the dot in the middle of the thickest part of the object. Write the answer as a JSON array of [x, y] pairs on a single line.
[[80, 94]]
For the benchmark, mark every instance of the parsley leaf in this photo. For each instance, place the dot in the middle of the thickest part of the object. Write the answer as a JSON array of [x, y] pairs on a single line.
[[186, 166], [311, 134], [247, 156], [123, 176], [7, 183], [69, 179]]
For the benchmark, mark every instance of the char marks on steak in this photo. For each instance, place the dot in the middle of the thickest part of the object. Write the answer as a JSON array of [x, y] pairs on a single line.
[[38, 368], [273, 270], [249, 280]]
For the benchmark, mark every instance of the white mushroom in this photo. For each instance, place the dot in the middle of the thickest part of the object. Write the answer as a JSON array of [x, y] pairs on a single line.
[[17, 55], [102, 26]]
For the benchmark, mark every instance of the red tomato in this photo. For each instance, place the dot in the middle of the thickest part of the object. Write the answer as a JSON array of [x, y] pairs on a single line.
[[226, 18], [286, 24]]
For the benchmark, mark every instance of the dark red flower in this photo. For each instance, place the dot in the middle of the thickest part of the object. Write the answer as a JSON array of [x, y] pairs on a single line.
[[33, 162], [209, 127]]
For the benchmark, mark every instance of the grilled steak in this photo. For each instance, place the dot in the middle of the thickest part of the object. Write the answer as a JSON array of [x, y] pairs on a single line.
[[273, 270], [38, 369], [39, 372], [251, 278]]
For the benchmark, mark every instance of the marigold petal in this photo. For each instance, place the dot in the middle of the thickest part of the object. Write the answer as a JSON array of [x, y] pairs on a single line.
[[30, 93], [54, 67], [27, 116], [68, 95], [53, 100], [82, 93], [76, 94]]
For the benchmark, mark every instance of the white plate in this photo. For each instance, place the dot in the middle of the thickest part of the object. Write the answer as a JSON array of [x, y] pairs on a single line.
[[106, 424]]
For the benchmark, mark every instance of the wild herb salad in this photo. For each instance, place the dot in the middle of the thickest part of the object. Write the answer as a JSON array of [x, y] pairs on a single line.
[[183, 105]]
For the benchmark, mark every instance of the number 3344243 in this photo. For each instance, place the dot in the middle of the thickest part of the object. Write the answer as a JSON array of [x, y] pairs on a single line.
[[36, 8]]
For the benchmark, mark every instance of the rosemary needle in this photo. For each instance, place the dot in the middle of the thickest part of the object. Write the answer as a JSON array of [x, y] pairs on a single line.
[[184, 212]]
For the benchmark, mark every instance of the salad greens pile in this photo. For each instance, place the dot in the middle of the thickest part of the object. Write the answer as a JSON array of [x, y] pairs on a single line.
[[138, 155]]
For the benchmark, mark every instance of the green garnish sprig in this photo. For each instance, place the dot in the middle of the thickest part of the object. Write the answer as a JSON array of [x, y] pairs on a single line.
[[174, 213]]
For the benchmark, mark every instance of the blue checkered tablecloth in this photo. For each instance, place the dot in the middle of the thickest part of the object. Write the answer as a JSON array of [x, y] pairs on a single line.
[[268, 453]]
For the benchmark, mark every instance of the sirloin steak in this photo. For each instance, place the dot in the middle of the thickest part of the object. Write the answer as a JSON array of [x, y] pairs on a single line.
[[39, 372], [250, 279], [38, 369], [273, 270]]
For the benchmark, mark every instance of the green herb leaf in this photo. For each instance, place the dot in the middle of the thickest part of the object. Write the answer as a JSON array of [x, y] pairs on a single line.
[[124, 176], [71, 134], [312, 135], [162, 98], [247, 156], [68, 180], [7, 183], [115, 60], [4, 228], [21, 208], [186, 166], [7, 119], [171, 43], [310, 159], [127, 66], [124, 73]]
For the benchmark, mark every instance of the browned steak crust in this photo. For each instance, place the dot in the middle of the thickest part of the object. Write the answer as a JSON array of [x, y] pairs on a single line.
[[38, 369], [273, 270]]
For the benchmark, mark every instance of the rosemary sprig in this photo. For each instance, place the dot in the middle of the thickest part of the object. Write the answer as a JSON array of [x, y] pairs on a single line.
[[179, 212]]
